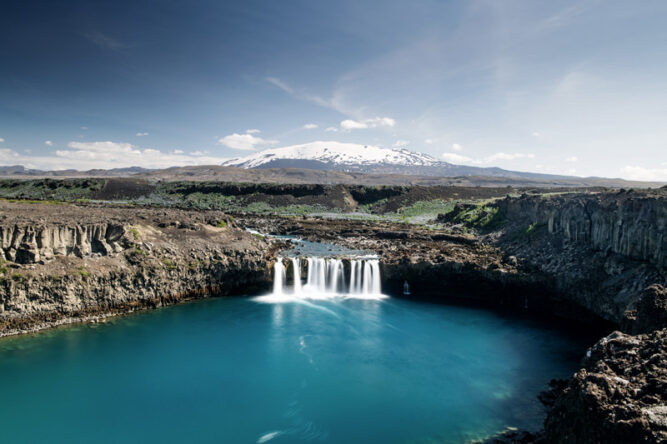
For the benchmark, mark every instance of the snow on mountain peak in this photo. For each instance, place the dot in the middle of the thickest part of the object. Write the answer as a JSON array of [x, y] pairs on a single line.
[[339, 153]]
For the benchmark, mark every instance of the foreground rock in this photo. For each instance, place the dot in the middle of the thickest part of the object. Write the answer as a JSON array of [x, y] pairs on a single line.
[[65, 263], [620, 394]]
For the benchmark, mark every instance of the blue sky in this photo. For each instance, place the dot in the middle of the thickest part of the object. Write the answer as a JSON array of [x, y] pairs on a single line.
[[575, 87]]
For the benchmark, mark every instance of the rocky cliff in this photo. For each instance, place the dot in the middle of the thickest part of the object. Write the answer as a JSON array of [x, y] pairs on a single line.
[[597, 250], [65, 263], [628, 223]]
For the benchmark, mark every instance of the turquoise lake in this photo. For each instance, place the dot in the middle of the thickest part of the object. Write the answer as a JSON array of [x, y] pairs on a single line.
[[235, 370]]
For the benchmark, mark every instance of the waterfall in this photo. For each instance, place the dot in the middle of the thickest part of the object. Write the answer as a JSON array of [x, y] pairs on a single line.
[[356, 276], [279, 276], [296, 269], [376, 283], [327, 276], [335, 268]]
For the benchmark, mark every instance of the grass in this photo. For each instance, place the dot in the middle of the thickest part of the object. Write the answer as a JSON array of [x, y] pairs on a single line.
[[136, 251], [85, 274], [135, 233], [481, 215], [168, 264]]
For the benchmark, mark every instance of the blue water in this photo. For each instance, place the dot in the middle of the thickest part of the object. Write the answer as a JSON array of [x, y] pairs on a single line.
[[238, 371]]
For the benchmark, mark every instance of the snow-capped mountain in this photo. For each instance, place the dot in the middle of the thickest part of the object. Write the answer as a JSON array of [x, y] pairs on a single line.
[[352, 157], [336, 153]]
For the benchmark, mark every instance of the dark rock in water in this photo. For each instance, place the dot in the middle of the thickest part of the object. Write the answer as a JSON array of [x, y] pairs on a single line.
[[620, 396]]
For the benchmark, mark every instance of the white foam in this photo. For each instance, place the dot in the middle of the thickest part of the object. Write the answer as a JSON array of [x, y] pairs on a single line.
[[268, 436]]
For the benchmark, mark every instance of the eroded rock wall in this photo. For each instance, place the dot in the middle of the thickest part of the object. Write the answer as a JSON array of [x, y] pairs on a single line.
[[627, 223], [27, 244]]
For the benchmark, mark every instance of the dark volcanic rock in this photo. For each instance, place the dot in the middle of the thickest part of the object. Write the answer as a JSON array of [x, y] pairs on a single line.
[[651, 313], [620, 396]]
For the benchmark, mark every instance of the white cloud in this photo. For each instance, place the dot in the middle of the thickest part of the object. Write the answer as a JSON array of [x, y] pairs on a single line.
[[401, 143], [105, 41], [280, 84], [310, 126], [331, 129], [536, 134], [6, 153], [245, 142], [572, 159], [459, 158], [367, 123], [352, 124], [640, 173], [571, 171], [1, 140], [105, 154], [429, 141], [142, 134], [84, 128], [303, 95], [48, 143], [253, 131], [456, 147], [507, 156]]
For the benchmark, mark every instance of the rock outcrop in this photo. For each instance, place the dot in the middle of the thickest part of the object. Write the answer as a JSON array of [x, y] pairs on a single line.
[[620, 394]]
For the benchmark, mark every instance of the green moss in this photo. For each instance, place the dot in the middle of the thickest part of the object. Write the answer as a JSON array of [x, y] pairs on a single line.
[[18, 277], [168, 264], [136, 251], [222, 224], [135, 233], [85, 274]]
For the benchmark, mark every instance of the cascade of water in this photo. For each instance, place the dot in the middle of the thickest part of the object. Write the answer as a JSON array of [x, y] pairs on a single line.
[[279, 276], [359, 277], [353, 275], [296, 268], [321, 276], [334, 269], [311, 272], [340, 277], [367, 278], [327, 275], [375, 271]]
